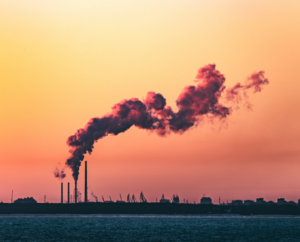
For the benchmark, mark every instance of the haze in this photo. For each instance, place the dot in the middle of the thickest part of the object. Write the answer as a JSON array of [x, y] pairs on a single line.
[[64, 62]]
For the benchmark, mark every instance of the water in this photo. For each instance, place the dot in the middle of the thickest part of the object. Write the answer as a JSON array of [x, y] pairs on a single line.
[[148, 228]]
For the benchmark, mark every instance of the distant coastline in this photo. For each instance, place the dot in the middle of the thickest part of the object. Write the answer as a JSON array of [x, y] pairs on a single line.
[[147, 208]]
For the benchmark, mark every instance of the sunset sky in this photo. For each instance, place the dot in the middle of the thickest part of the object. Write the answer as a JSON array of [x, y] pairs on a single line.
[[63, 62]]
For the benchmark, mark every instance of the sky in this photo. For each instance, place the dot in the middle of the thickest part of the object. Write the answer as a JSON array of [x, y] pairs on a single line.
[[64, 62]]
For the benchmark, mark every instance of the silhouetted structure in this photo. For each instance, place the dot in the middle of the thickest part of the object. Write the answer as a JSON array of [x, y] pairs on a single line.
[[75, 191], [93, 195], [62, 193], [260, 201], [237, 202], [163, 200], [110, 201], [205, 200], [175, 199], [281, 201], [120, 201], [249, 202], [249, 207], [142, 198], [68, 192], [85, 184], [25, 200], [29, 206]]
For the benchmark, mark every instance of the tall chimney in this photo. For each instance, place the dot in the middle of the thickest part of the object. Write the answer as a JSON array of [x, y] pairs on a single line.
[[62, 193], [68, 192], [75, 191], [85, 183]]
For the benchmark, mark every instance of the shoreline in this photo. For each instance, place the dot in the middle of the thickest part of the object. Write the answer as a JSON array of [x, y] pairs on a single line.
[[147, 209]]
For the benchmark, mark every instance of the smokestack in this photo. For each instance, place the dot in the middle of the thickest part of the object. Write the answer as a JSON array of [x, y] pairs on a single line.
[[62, 193], [75, 191], [68, 192], [85, 183]]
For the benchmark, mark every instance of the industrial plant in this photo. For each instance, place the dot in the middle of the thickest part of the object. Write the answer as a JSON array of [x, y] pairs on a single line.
[[140, 205]]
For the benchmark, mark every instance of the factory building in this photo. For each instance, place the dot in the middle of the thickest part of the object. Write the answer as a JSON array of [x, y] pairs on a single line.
[[25, 200], [163, 200], [205, 200], [281, 201], [260, 201], [249, 202], [175, 199], [237, 202]]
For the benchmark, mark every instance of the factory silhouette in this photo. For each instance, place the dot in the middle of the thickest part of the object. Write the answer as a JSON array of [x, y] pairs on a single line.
[[134, 205], [174, 199], [194, 102], [154, 115]]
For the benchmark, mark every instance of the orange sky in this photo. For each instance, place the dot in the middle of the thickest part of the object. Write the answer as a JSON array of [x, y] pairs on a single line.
[[64, 62]]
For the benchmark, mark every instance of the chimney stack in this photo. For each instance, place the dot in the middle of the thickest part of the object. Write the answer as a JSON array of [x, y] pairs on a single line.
[[62, 193], [68, 192], [85, 183], [75, 191]]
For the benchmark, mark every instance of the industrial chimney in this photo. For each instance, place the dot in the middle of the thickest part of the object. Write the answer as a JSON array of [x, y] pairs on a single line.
[[62, 193], [85, 183], [68, 192], [75, 191]]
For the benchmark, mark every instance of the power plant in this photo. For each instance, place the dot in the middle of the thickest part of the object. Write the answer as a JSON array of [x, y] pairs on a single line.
[[132, 206], [76, 192], [173, 200]]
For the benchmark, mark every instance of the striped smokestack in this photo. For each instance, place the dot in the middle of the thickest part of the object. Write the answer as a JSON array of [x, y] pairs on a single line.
[[62, 193], [85, 183]]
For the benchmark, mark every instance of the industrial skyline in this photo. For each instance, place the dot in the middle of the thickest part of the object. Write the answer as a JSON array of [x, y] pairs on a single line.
[[131, 198], [61, 66]]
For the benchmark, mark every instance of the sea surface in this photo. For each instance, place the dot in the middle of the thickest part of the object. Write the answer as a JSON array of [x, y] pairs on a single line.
[[148, 228]]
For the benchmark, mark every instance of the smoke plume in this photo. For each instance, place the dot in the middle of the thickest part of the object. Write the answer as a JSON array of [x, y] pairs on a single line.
[[59, 174], [152, 114]]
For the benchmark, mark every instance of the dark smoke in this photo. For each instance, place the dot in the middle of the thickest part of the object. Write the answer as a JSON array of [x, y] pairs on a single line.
[[255, 81], [153, 114], [59, 174]]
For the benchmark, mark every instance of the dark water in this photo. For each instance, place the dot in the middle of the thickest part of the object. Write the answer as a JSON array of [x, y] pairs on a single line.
[[148, 228]]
